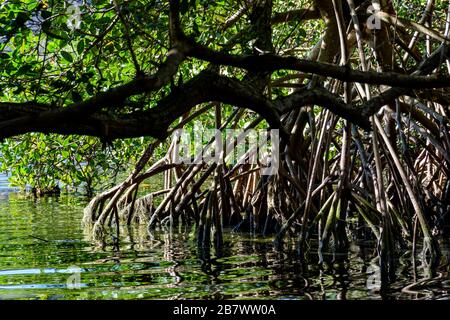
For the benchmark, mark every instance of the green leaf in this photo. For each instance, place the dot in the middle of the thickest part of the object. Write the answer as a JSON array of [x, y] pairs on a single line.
[[67, 56], [80, 47]]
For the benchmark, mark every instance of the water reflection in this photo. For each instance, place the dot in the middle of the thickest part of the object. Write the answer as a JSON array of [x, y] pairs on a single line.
[[5, 188], [41, 241]]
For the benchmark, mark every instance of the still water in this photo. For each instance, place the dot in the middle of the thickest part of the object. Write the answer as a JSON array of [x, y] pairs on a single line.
[[44, 254]]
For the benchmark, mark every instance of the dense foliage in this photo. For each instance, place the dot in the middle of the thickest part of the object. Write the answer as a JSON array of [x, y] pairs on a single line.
[[45, 164], [51, 52]]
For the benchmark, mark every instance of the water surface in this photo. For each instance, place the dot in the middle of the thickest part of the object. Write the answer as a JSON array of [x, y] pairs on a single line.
[[43, 251]]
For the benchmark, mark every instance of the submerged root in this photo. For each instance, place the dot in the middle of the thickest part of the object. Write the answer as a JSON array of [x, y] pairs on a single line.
[[139, 212]]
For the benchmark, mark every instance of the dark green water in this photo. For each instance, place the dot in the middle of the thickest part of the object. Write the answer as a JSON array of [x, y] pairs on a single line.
[[42, 242]]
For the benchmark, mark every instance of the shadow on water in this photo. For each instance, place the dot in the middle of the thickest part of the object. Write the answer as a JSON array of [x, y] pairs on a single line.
[[44, 254]]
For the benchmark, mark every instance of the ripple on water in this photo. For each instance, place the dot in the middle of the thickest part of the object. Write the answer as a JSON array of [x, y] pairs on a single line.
[[43, 249]]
